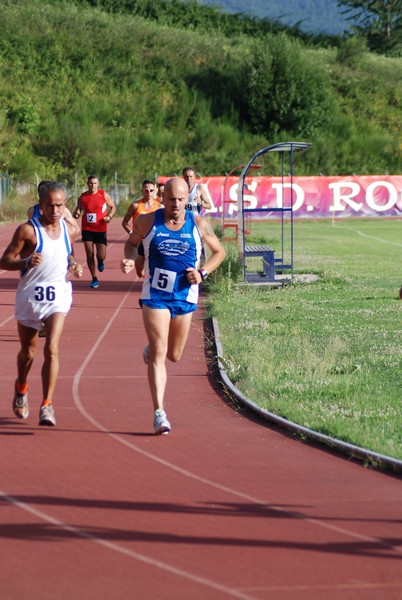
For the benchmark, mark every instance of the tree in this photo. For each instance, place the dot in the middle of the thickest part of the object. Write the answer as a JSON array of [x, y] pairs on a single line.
[[284, 90], [380, 22]]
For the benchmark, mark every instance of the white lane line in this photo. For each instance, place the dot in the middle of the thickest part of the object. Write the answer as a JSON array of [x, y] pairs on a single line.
[[187, 473], [122, 550], [139, 556], [110, 545], [371, 237], [7, 320]]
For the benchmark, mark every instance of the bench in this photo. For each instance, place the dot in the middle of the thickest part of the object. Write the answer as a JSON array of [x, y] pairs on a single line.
[[268, 262]]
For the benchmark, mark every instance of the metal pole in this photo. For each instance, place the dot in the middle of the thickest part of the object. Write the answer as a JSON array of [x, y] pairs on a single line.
[[223, 203], [291, 212], [115, 189], [223, 192]]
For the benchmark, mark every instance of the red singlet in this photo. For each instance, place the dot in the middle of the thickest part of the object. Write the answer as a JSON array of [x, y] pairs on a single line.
[[94, 208]]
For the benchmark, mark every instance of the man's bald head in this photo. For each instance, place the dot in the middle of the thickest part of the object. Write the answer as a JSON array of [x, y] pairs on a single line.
[[176, 187]]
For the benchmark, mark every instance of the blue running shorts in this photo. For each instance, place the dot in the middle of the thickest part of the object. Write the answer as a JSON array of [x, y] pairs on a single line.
[[176, 307]]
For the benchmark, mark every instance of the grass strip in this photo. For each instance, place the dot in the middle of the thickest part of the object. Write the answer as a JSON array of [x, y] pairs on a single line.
[[328, 354]]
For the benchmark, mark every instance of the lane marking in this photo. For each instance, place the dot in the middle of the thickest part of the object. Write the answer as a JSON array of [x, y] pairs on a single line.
[[122, 550], [185, 472], [358, 585], [371, 237], [7, 320], [139, 556]]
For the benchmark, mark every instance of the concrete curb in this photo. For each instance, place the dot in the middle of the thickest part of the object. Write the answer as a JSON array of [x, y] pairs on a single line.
[[375, 460]]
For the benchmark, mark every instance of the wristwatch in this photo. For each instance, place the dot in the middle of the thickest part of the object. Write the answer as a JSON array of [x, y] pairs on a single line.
[[203, 273]]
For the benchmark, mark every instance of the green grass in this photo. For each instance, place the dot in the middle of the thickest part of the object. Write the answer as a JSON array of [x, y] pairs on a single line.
[[326, 355]]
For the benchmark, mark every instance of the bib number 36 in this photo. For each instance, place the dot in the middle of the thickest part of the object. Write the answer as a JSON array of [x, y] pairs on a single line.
[[45, 293]]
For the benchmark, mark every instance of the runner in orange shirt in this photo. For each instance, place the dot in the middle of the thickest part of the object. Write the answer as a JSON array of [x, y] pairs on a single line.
[[149, 203]]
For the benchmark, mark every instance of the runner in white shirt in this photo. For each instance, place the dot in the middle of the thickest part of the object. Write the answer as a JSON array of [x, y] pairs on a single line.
[[41, 249], [198, 192]]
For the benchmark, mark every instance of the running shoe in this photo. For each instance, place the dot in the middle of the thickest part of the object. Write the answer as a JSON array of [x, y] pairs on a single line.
[[46, 416], [94, 283], [161, 424], [20, 404], [101, 266], [145, 355]]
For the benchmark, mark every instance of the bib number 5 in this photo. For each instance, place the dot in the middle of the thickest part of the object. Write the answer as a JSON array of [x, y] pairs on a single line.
[[163, 280]]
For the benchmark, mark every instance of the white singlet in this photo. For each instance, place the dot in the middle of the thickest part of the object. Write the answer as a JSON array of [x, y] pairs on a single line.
[[45, 289], [193, 202]]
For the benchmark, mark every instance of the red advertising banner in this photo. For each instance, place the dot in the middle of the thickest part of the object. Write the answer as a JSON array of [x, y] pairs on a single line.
[[357, 196]]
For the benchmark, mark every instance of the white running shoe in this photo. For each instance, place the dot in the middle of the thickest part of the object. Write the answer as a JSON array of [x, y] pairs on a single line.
[[20, 404], [46, 416], [161, 424]]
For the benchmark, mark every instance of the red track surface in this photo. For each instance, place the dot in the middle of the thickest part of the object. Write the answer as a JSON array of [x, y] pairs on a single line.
[[223, 507]]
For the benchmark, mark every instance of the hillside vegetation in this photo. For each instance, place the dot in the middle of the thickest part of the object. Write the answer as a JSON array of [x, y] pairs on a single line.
[[84, 89]]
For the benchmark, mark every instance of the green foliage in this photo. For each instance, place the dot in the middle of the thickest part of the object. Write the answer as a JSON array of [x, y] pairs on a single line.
[[379, 22], [351, 52], [286, 91], [24, 115], [15, 207], [141, 96], [229, 272]]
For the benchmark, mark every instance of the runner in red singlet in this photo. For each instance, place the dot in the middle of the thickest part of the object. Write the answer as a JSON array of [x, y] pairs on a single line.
[[97, 209]]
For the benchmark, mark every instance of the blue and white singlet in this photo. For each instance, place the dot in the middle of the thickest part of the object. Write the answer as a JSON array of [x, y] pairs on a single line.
[[167, 256], [45, 289]]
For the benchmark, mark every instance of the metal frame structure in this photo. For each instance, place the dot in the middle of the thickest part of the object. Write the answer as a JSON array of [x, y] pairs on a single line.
[[270, 263], [225, 223]]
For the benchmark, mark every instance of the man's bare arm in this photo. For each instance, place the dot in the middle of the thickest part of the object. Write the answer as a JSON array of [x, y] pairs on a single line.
[[132, 209], [78, 208], [216, 252], [141, 227], [205, 198], [112, 208], [73, 227], [19, 252]]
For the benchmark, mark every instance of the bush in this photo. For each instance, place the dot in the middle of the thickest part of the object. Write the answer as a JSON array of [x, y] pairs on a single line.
[[24, 115], [286, 91], [351, 51]]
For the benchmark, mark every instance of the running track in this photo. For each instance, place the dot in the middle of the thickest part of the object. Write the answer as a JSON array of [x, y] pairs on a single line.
[[223, 507]]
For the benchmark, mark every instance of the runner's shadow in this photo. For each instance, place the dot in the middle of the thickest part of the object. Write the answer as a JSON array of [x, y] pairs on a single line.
[[58, 531], [12, 427]]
